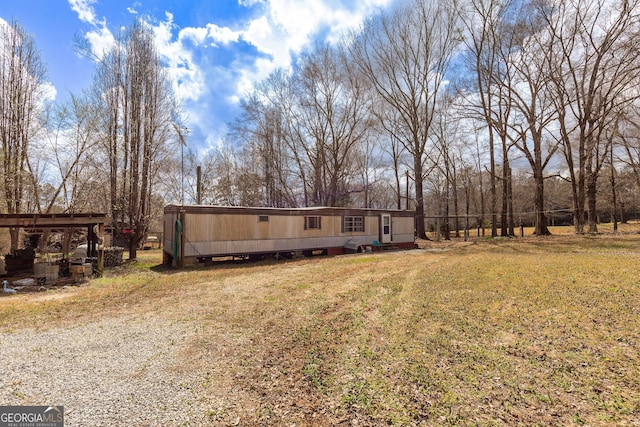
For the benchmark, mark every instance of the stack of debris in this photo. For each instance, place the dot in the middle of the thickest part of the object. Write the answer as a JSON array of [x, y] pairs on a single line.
[[19, 262], [113, 256]]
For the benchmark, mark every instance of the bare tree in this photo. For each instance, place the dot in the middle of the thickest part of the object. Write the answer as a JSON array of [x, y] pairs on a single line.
[[405, 56], [485, 41], [68, 159], [65, 165], [139, 118], [477, 156], [235, 173], [261, 129], [532, 103], [22, 79], [367, 161], [594, 63], [334, 107], [393, 148], [447, 141], [629, 135], [272, 125]]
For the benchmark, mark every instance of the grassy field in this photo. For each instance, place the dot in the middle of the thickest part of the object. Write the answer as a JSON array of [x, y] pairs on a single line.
[[521, 331]]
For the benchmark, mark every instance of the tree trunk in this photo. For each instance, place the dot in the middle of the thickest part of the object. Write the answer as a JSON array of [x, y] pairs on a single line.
[[455, 204], [578, 215], [420, 230], [591, 203], [541, 221], [511, 215], [133, 248], [492, 185], [504, 218]]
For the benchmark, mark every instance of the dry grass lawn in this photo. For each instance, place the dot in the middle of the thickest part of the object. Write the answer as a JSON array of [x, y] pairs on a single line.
[[524, 331]]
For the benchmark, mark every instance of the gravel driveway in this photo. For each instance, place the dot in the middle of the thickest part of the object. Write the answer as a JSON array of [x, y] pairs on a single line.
[[112, 372]]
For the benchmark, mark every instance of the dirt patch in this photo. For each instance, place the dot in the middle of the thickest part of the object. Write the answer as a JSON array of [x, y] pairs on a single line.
[[443, 245], [56, 293]]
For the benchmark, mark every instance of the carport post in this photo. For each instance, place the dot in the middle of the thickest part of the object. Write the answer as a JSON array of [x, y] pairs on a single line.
[[100, 269]]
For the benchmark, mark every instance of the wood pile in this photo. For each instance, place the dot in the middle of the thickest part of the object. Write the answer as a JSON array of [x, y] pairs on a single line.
[[113, 256], [19, 262]]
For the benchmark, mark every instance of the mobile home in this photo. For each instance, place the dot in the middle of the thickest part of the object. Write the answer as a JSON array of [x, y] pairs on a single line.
[[200, 233]]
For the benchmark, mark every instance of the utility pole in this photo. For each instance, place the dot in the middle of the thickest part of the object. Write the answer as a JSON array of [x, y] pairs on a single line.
[[407, 189], [198, 185]]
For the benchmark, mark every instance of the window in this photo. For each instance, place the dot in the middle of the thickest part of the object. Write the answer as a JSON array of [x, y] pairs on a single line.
[[352, 224], [263, 218], [312, 222]]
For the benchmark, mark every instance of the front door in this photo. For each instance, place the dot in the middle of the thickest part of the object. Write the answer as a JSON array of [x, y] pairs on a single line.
[[386, 228]]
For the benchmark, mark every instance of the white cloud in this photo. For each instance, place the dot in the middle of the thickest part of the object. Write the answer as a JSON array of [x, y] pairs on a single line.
[[187, 76], [84, 9], [49, 92], [284, 28], [101, 38], [214, 64], [249, 3], [300, 20], [195, 35], [222, 35], [289, 26]]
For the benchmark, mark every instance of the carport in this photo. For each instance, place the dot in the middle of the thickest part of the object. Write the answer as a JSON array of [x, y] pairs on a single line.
[[94, 222]]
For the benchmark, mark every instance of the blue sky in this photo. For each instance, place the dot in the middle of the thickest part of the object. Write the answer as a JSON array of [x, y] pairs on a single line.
[[216, 49]]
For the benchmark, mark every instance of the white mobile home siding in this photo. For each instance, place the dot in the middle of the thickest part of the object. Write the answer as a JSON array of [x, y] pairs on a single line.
[[213, 231]]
